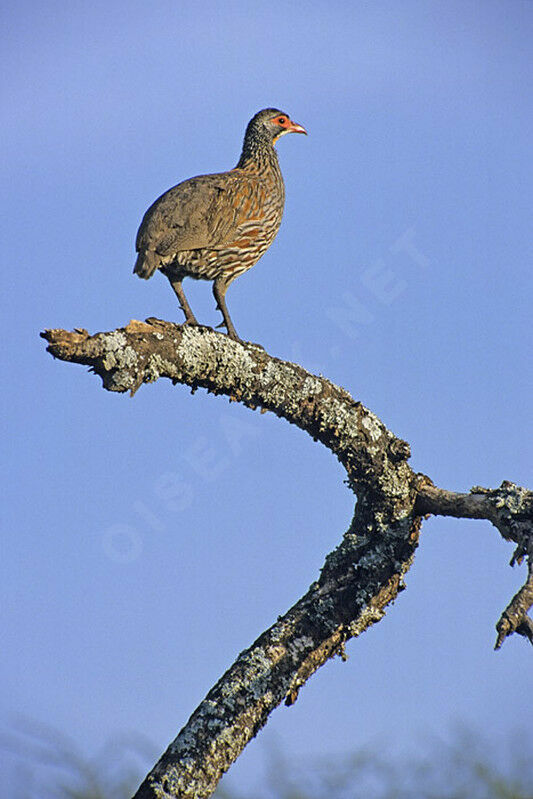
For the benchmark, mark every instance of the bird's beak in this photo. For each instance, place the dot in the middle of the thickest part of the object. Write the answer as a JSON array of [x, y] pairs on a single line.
[[294, 127]]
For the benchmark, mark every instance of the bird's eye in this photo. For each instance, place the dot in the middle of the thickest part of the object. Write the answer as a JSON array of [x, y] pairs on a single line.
[[281, 120]]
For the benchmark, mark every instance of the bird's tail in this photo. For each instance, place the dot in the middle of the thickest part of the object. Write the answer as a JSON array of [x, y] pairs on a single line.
[[146, 264]]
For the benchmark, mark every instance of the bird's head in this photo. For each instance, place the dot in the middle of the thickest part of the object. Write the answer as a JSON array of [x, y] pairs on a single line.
[[272, 124]]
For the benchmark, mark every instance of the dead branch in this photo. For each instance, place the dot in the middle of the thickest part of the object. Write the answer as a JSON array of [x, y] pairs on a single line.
[[510, 509], [359, 578]]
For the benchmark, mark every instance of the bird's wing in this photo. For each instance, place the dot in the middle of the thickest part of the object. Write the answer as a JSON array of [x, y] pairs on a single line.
[[204, 211]]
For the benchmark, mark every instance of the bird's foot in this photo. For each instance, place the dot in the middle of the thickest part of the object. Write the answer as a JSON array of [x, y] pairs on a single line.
[[231, 332], [153, 319], [234, 337], [194, 323]]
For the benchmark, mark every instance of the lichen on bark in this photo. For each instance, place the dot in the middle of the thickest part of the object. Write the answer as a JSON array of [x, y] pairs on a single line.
[[358, 579]]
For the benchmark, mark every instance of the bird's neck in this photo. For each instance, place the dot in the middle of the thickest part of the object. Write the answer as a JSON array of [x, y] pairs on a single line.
[[258, 155]]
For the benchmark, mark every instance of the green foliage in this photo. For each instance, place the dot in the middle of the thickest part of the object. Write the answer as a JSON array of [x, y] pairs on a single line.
[[47, 765], [466, 767]]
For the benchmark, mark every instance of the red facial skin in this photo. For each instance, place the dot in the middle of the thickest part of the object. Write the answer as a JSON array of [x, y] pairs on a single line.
[[288, 125]]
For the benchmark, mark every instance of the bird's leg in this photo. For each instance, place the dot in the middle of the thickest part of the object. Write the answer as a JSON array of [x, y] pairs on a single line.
[[190, 318], [219, 290]]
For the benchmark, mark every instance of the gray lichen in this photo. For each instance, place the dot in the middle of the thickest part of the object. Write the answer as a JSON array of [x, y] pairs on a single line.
[[359, 578]]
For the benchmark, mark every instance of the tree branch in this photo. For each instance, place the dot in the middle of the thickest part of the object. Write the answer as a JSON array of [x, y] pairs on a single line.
[[358, 579], [510, 509], [142, 352]]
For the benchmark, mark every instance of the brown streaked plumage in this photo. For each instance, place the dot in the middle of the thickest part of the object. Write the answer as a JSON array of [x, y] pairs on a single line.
[[215, 227]]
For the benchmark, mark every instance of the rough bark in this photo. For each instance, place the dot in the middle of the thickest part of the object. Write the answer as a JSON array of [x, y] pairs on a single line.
[[359, 578], [510, 509]]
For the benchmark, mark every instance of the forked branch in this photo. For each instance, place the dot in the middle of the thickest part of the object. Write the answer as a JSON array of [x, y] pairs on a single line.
[[359, 578], [510, 509]]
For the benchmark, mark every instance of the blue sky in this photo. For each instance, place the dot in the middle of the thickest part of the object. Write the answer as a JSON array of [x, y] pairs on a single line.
[[147, 541]]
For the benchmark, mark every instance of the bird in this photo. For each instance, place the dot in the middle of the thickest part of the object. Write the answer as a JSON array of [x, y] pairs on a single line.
[[217, 226]]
